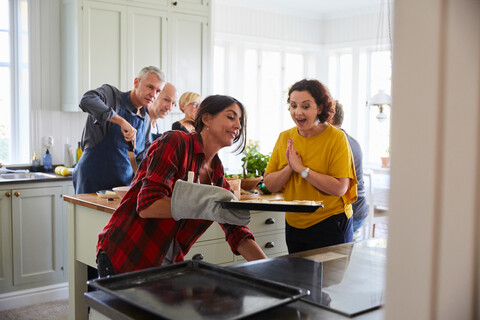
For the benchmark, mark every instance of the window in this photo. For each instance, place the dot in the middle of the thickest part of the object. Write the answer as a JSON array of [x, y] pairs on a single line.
[[14, 81], [355, 75], [259, 78]]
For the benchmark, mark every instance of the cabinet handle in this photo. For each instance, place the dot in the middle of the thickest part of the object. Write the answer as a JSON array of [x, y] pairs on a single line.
[[8, 194], [16, 194], [175, 3], [198, 256], [270, 244], [270, 221]]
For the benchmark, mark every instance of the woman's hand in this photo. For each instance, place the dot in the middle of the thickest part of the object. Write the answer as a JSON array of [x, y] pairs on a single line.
[[294, 159]]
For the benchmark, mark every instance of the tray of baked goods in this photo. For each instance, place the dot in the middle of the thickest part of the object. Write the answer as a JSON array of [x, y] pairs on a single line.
[[274, 205]]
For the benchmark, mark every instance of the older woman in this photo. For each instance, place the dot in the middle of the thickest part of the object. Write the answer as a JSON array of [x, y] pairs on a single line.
[[141, 232], [313, 161], [189, 102]]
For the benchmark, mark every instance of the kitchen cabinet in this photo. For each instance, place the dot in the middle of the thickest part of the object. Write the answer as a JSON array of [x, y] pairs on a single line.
[[33, 232], [110, 41], [267, 227]]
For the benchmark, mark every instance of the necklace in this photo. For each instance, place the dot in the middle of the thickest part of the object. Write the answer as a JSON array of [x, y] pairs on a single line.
[[211, 180]]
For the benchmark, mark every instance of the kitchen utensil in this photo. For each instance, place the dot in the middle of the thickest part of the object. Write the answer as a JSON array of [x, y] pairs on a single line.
[[198, 290], [270, 206], [131, 157]]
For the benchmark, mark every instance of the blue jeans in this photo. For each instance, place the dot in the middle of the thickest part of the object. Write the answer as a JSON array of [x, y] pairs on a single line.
[[357, 224]]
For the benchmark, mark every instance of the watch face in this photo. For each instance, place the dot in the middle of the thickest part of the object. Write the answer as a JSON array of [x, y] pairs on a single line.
[[304, 174]]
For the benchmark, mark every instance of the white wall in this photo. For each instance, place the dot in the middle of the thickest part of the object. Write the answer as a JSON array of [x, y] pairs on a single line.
[[433, 252]]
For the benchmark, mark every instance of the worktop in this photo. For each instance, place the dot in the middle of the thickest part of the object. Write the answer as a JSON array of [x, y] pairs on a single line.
[[346, 273]]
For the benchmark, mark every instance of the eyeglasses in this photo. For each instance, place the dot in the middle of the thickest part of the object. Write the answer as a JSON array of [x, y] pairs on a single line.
[[194, 104]]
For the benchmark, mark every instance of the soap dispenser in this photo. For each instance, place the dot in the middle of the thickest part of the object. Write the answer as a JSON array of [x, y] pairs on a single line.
[[47, 161], [35, 162]]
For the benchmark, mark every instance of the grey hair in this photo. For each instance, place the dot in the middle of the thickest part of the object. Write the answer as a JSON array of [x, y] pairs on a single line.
[[151, 69]]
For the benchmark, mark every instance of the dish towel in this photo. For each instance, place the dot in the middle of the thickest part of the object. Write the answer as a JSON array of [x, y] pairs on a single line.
[[199, 201]]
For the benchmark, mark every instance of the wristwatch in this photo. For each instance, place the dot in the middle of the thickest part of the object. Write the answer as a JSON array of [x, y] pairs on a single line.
[[304, 173]]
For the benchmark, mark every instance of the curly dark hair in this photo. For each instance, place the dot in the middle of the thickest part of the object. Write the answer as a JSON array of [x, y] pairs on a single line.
[[217, 103], [319, 92]]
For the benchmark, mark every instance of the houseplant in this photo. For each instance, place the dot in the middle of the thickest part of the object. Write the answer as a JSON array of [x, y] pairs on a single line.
[[254, 164]]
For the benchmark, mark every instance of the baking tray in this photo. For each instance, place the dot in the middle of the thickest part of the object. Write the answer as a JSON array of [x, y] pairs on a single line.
[[198, 290], [269, 206]]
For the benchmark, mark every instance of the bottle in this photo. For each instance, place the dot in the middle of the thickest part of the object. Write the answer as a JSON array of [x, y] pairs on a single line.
[[69, 159], [35, 163], [79, 152], [47, 161]]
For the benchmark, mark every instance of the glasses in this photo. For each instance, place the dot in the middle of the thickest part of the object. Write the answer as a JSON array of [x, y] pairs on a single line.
[[194, 104]]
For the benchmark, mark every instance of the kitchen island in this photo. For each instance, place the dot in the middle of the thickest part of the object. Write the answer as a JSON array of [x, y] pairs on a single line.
[[89, 213], [347, 280]]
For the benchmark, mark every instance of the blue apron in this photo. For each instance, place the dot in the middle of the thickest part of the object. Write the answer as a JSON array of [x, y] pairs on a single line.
[[106, 165]]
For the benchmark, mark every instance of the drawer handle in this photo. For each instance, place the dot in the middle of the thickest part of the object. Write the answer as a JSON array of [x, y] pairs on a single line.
[[270, 244], [17, 194], [175, 3], [8, 194], [270, 221], [198, 256]]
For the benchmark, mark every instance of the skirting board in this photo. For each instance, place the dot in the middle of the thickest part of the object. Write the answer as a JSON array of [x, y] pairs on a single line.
[[18, 299]]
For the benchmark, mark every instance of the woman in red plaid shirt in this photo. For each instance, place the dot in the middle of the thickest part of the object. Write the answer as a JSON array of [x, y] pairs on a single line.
[[142, 233]]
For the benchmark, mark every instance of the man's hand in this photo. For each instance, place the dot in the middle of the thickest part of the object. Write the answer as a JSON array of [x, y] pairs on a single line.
[[129, 132]]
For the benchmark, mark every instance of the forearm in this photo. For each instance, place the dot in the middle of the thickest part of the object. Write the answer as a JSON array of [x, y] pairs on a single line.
[[99, 103], [161, 208], [328, 184], [276, 180], [250, 250]]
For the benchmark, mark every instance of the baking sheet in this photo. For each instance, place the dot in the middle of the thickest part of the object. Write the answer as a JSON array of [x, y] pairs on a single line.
[[198, 290], [269, 206]]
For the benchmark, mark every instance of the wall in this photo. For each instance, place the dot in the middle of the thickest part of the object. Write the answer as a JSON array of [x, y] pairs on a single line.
[[433, 266]]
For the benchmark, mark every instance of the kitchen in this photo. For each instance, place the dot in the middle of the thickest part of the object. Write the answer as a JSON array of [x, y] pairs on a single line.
[[423, 261]]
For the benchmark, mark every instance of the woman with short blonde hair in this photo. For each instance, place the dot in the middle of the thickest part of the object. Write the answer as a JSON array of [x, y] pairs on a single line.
[[189, 102]]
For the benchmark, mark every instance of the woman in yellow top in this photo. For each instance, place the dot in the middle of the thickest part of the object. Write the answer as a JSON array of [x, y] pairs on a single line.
[[313, 161]]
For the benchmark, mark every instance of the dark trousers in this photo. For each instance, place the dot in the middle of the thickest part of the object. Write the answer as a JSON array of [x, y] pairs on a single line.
[[334, 230], [104, 265]]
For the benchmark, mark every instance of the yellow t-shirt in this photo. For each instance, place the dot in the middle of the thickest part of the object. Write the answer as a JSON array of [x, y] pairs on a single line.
[[328, 153]]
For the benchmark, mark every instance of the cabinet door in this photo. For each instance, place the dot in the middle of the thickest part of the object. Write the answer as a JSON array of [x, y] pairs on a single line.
[[147, 38], [6, 274], [189, 55], [190, 5], [104, 46], [37, 235]]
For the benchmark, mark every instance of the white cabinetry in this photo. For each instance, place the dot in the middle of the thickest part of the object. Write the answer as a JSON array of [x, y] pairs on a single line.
[[268, 229], [116, 38], [33, 233]]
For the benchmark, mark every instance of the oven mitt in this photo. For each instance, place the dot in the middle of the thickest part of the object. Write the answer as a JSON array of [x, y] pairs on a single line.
[[199, 201]]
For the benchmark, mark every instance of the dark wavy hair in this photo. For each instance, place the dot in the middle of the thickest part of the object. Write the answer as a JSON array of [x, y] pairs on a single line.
[[319, 92], [217, 103]]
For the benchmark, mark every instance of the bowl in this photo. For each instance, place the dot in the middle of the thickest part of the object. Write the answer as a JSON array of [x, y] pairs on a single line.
[[121, 191], [250, 183]]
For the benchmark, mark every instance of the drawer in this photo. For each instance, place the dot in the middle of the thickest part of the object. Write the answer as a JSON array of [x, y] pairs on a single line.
[[213, 252], [262, 221], [214, 232], [272, 244]]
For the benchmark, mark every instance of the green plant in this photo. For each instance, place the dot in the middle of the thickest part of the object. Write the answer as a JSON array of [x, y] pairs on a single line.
[[254, 162]]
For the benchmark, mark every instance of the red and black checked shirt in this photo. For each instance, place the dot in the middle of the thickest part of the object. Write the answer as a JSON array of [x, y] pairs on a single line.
[[134, 243]]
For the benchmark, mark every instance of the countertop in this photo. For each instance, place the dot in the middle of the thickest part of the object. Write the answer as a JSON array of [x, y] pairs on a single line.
[[364, 261], [93, 201], [53, 177]]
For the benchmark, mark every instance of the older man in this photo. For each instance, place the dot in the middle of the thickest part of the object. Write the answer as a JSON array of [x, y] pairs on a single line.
[[114, 120], [161, 107]]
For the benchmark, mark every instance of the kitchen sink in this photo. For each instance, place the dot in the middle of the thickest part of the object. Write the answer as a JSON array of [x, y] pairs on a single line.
[[27, 175]]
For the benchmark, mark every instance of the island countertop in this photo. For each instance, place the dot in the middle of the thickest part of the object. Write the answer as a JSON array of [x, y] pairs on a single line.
[[93, 201]]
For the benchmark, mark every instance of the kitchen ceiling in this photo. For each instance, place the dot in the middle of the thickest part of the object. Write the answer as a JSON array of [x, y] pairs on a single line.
[[319, 9]]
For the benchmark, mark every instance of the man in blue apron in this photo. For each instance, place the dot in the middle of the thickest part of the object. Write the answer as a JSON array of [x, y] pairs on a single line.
[[165, 102], [114, 119]]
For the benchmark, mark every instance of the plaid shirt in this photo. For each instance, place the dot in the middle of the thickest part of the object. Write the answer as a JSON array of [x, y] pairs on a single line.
[[134, 243]]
